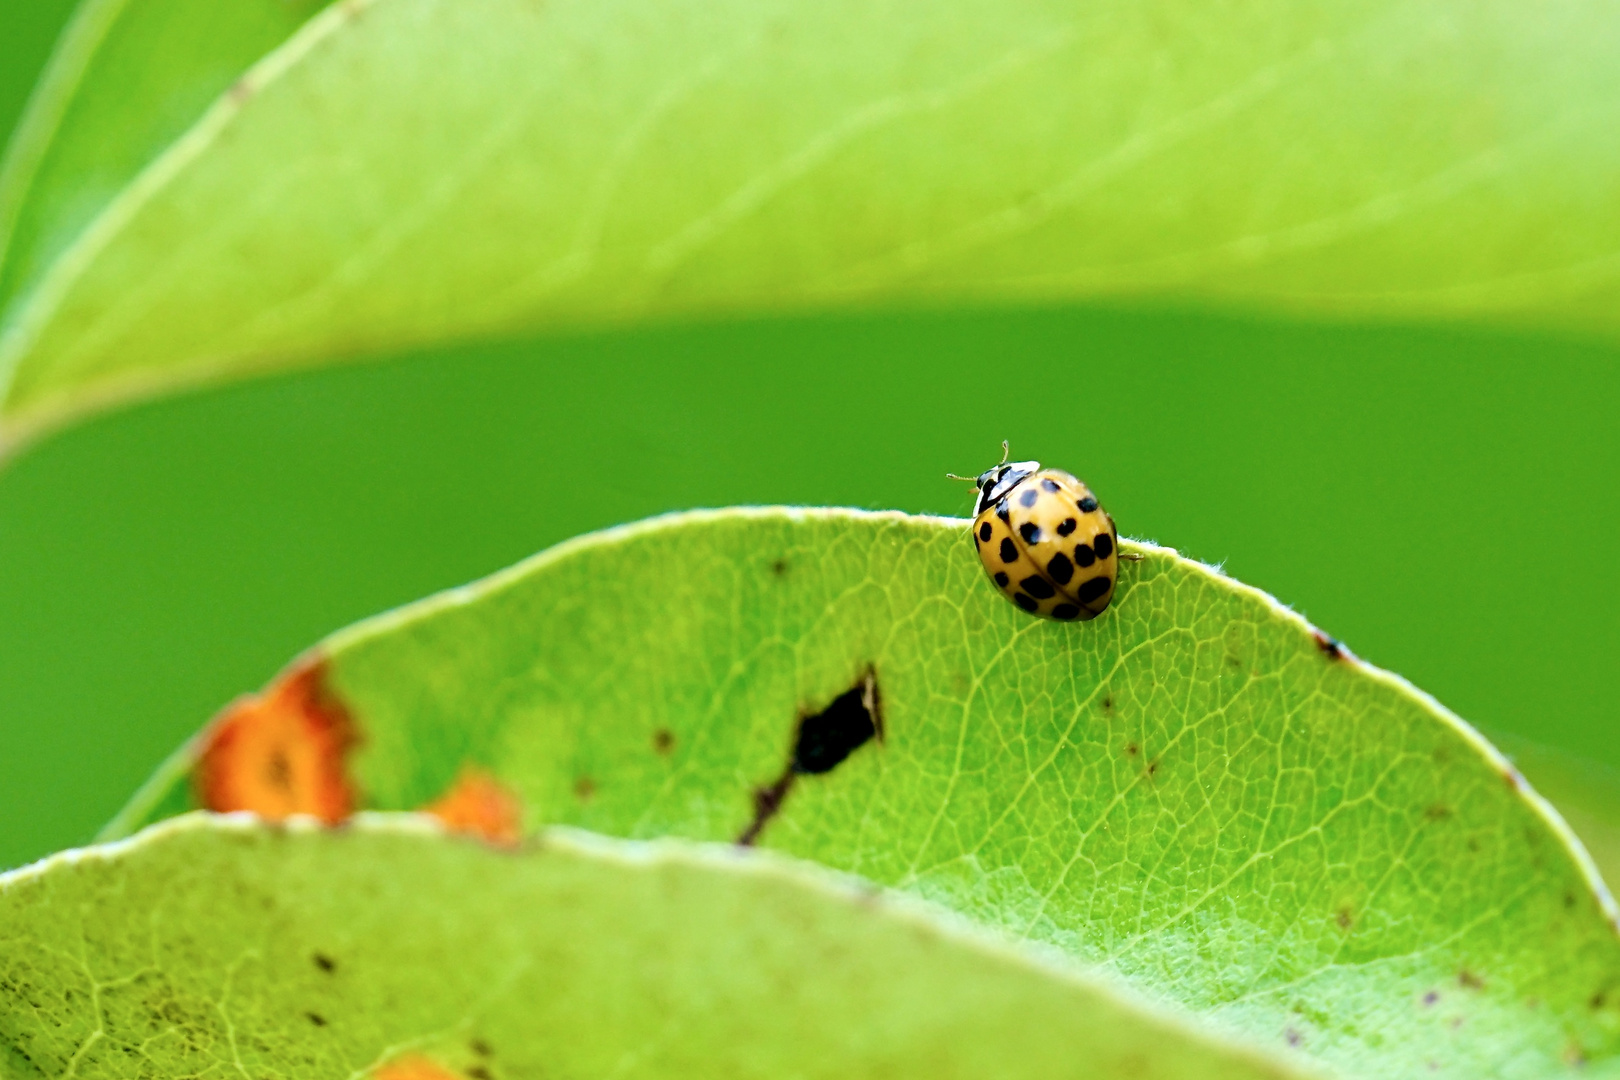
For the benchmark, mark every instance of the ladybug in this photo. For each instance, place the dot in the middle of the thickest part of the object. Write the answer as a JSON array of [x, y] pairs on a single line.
[[1044, 540]]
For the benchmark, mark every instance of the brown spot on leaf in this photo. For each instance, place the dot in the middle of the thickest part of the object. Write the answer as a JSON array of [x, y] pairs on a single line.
[[1131, 749], [780, 567], [1574, 1056], [1331, 647], [281, 752], [1431, 997], [1598, 1000], [1469, 981], [663, 740], [1294, 1038], [478, 1072], [325, 963], [480, 805], [1511, 777], [316, 1018], [1437, 812], [1108, 702], [584, 789], [480, 1047], [1342, 917]]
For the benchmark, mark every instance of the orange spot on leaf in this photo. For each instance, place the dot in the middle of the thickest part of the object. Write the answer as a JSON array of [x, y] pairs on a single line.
[[281, 752], [414, 1067], [479, 804]]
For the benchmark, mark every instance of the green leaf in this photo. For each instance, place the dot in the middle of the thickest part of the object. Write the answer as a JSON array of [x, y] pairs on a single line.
[[218, 945], [127, 79], [1195, 791], [405, 171]]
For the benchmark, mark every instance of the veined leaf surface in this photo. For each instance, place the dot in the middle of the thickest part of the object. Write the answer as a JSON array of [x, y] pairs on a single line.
[[1196, 791]]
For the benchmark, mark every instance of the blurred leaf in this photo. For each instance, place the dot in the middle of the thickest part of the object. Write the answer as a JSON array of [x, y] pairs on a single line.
[[417, 170], [1193, 791], [216, 945], [126, 80]]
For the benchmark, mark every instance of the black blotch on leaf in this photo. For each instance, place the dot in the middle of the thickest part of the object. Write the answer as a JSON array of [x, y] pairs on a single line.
[[324, 962], [821, 743], [316, 1018]]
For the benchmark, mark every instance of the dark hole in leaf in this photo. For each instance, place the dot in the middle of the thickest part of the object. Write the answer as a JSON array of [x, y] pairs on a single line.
[[822, 742], [840, 729]]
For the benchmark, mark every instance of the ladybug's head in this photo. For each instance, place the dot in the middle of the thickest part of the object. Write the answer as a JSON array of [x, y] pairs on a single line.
[[995, 483]]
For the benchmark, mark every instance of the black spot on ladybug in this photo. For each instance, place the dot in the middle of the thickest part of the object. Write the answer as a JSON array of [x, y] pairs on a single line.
[[1025, 602], [1083, 555], [1094, 588], [324, 962], [1031, 532], [984, 532], [316, 1018], [1048, 485], [1066, 612], [822, 742], [1066, 527], [1038, 587], [1331, 647], [1027, 499], [1060, 568], [1087, 504], [1103, 546], [1009, 550], [663, 740], [1001, 510], [1002, 579]]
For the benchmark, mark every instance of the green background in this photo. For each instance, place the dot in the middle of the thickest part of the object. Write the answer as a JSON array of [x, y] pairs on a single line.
[[1442, 499]]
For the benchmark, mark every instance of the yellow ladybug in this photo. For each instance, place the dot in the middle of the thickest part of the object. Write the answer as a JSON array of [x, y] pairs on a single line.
[[1044, 540]]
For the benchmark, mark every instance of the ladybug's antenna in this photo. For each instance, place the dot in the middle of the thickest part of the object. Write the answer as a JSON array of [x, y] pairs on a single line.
[[1005, 452]]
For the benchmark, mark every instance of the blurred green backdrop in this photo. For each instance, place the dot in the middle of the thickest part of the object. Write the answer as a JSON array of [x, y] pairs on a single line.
[[1441, 499]]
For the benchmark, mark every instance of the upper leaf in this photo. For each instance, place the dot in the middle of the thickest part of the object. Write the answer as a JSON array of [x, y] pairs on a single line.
[[127, 79], [220, 947], [1195, 790], [418, 170]]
